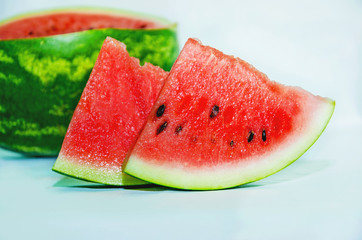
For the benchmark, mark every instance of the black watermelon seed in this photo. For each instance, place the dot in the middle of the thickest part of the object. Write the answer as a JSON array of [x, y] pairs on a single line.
[[214, 111], [178, 129], [251, 136], [232, 143], [263, 135], [143, 26], [161, 128], [31, 33], [160, 110]]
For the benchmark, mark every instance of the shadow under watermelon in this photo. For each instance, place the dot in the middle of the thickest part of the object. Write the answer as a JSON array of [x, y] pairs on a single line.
[[297, 170], [70, 182]]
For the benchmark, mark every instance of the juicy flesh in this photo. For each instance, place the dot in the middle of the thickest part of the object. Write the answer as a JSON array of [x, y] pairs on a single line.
[[196, 135], [60, 23], [113, 108]]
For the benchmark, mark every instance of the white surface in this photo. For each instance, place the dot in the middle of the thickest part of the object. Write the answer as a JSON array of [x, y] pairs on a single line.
[[313, 44]]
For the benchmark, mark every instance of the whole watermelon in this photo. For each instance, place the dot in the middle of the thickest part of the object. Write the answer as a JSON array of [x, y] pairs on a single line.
[[45, 62]]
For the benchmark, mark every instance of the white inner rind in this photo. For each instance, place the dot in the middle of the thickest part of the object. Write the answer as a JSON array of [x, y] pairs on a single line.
[[85, 171], [317, 113]]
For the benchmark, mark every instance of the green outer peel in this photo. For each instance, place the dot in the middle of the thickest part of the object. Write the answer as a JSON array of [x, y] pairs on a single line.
[[42, 79]]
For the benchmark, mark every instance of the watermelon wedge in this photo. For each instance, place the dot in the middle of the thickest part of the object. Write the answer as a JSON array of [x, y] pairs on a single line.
[[45, 62], [112, 110], [220, 123]]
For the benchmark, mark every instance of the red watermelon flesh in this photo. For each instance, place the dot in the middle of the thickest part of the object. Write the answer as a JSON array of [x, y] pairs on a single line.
[[59, 23], [110, 114], [219, 123]]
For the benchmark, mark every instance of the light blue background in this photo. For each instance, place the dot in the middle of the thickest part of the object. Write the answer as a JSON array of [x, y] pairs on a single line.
[[313, 44]]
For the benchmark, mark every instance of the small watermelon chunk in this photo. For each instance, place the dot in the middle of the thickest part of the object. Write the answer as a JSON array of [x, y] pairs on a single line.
[[220, 123], [114, 106]]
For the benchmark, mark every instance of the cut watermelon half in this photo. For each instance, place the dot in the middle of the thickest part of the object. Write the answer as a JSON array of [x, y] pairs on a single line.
[[110, 114], [220, 123], [48, 56]]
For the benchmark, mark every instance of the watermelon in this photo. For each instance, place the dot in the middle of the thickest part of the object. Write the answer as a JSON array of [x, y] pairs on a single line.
[[112, 110], [45, 62], [220, 123]]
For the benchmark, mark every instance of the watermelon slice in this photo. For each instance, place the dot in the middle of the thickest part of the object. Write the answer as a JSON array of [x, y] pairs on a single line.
[[113, 109], [219, 123]]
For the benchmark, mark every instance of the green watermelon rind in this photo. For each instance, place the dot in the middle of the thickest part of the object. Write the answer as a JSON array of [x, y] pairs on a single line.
[[65, 166], [44, 78], [229, 178]]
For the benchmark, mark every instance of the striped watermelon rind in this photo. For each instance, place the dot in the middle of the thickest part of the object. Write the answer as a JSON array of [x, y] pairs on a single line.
[[41, 79]]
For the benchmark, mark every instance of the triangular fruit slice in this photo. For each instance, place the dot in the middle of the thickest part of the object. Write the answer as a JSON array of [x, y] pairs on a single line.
[[219, 123], [112, 111]]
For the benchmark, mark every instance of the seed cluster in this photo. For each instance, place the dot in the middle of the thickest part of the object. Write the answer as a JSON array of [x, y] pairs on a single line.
[[214, 112]]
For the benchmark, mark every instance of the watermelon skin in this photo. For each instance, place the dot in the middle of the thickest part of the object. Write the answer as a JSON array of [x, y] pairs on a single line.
[[203, 148], [111, 113], [41, 80]]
